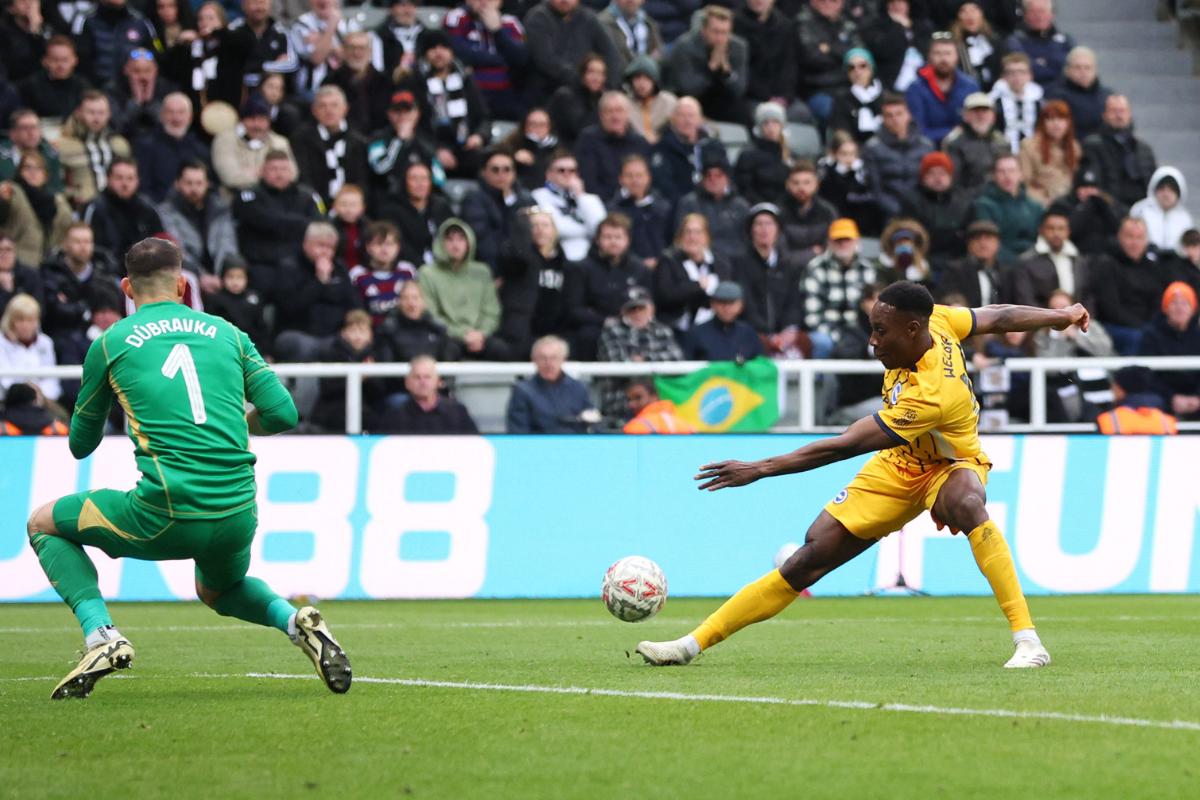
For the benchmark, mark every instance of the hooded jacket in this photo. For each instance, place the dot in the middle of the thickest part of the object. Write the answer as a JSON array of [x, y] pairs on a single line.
[[1017, 217], [460, 296], [1164, 227]]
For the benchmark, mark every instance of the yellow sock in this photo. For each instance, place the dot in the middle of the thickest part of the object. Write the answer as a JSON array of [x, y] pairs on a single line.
[[995, 562], [754, 602]]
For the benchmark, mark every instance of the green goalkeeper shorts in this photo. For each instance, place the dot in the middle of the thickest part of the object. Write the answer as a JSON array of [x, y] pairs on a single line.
[[115, 523]]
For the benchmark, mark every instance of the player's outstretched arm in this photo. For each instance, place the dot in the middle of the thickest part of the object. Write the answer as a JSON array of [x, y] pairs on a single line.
[[1008, 318], [864, 436]]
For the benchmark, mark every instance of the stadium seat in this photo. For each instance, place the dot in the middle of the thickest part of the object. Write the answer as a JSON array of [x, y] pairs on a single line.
[[456, 189], [368, 17], [868, 247], [803, 140], [432, 16], [502, 128], [731, 134]]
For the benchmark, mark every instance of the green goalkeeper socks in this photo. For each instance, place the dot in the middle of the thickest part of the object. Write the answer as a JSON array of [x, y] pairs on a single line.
[[73, 576], [253, 601]]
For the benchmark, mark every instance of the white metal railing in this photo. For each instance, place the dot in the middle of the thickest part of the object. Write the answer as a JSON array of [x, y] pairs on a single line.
[[805, 372]]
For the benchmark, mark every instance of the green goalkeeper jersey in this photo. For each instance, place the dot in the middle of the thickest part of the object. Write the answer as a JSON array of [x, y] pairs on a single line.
[[183, 378]]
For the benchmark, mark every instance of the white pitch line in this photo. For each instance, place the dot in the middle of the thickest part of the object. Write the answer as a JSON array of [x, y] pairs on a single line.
[[857, 705]]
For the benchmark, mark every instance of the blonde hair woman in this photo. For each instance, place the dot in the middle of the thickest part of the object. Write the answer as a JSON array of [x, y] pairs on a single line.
[[688, 274], [533, 273], [22, 345]]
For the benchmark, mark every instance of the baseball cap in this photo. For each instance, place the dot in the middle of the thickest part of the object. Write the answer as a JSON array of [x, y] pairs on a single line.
[[727, 292], [844, 228], [402, 101], [636, 297], [977, 100]]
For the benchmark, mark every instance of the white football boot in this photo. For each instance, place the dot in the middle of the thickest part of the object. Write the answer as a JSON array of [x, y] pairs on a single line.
[[97, 662], [666, 654], [313, 637], [1028, 655]]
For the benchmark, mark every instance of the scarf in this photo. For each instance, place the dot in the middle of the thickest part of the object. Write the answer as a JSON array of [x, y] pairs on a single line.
[[697, 270], [930, 78], [448, 103], [569, 205], [100, 156], [868, 120], [636, 31], [335, 153], [205, 53], [42, 201]]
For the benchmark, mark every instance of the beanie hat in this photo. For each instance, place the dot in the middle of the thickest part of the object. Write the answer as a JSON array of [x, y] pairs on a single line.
[[769, 111], [859, 52], [936, 159], [643, 65], [1177, 289], [431, 38]]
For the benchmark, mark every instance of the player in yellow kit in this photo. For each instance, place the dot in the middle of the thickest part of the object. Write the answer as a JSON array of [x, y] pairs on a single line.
[[927, 457]]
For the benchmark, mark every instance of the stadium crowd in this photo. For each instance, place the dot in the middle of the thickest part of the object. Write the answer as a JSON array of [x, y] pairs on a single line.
[[621, 181]]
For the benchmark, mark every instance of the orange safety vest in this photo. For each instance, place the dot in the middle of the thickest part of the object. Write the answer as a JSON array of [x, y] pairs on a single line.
[[1124, 420], [55, 428], [658, 417]]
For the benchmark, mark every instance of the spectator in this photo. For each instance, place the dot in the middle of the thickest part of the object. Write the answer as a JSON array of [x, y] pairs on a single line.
[[1017, 99], [51, 209], [936, 97], [897, 38], [22, 344], [942, 207], [15, 277], [636, 336], [239, 154], [24, 139], [633, 32], [461, 293], [674, 17], [1176, 332], [689, 273], [24, 33], [715, 199], [354, 344], [170, 144], [412, 331], [271, 51], [833, 285], [770, 37], [88, 147], [1051, 155], [328, 153], [531, 144], [1123, 162], [725, 337], [675, 160], [604, 280], [827, 34], [576, 105], [19, 222], [318, 297], [238, 303], [76, 280], [533, 276], [651, 106], [905, 253], [551, 401], [893, 156], [712, 65], [120, 216], [974, 145], [137, 93], [1187, 264], [396, 38], [348, 217], [979, 48], [417, 212], [104, 38], [646, 209], [846, 183], [1129, 286], [1080, 88], [317, 37], [1136, 406], [380, 278], [493, 46], [1037, 38], [1162, 209], [491, 209], [1004, 202], [769, 278], [272, 216], [602, 148], [762, 168], [201, 222], [560, 34], [649, 413], [1071, 342], [367, 90], [1053, 264], [857, 108], [1095, 216], [25, 413], [804, 215], [210, 63], [393, 149], [56, 89], [980, 277], [857, 395], [426, 411], [576, 213]]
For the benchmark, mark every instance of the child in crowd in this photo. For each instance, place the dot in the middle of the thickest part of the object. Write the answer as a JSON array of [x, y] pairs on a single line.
[[379, 280]]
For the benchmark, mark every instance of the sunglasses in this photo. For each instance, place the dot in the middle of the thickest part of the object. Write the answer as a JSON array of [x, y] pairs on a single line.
[[140, 54], [942, 36]]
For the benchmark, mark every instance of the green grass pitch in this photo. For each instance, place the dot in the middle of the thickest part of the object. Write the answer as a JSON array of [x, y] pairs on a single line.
[[928, 711]]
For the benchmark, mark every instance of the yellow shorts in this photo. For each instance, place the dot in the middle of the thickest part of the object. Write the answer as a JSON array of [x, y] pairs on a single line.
[[884, 497]]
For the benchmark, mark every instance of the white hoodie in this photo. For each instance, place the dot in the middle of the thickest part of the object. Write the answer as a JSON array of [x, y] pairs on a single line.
[[1164, 227]]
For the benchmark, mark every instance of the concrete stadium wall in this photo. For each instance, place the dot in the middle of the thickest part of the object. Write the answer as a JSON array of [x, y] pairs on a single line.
[[544, 516]]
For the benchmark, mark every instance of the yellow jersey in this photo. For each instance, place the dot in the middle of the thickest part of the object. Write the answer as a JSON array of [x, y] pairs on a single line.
[[931, 411]]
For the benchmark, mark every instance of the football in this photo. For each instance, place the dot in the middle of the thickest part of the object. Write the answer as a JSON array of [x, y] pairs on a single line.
[[634, 589]]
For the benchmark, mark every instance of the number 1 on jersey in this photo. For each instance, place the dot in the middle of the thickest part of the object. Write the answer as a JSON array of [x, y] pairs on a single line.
[[179, 360]]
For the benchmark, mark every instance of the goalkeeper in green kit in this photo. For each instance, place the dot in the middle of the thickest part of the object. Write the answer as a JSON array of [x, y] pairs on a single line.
[[183, 379]]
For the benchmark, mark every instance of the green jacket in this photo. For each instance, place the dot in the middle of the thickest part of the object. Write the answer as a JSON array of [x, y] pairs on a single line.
[[9, 157], [462, 297], [1017, 218]]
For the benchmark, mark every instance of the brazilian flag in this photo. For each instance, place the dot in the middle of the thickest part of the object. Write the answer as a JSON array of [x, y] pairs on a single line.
[[726, 396]]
